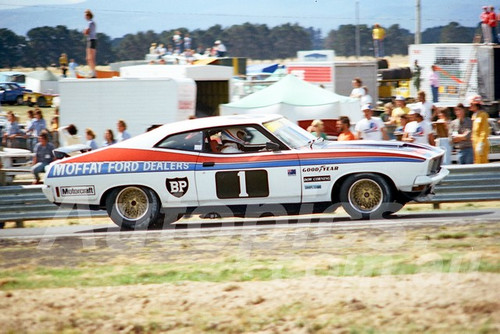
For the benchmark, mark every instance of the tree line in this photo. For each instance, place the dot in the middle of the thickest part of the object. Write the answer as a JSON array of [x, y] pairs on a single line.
[[42, 46]]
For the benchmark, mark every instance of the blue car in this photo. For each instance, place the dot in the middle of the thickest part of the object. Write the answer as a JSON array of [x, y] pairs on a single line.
[[12, 93]]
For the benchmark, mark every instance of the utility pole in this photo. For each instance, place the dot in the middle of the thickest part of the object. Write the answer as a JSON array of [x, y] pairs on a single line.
[[358, 42], [418, 37]]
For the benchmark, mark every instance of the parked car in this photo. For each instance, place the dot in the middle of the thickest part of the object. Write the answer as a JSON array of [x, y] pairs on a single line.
[[12, 93], [16, 77], [278, 168]]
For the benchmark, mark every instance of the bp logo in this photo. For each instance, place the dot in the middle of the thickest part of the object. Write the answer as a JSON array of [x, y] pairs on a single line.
[[177, 186]]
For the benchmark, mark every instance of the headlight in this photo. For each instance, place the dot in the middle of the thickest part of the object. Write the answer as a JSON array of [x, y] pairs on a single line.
[[435, 165]]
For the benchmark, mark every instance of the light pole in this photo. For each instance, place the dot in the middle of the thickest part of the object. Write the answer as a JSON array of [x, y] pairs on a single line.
[[418, 39], [358, 48]]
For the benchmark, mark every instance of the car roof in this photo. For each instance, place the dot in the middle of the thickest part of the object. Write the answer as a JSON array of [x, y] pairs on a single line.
[[152, 137]]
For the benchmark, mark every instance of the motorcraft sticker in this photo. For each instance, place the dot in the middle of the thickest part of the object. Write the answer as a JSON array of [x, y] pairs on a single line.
[[177, 186], [76, 191]]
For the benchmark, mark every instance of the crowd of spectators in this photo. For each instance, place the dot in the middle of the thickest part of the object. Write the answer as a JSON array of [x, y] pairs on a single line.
[[42, 138]]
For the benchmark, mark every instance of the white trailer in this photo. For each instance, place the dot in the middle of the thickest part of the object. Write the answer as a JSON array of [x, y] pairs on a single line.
[[320, 68], [99, 103], [457, 70]]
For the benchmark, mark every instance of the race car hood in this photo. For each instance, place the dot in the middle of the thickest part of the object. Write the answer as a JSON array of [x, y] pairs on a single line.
[[424, 151]]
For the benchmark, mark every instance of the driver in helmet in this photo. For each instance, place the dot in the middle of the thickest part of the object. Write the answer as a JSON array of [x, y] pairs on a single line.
[[233, 140]]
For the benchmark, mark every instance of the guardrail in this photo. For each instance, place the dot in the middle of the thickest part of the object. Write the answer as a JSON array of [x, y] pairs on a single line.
[[465, 183], [20, 203]]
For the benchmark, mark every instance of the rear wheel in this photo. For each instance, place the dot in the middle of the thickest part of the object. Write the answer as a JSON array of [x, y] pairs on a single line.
[[133, 207], [365, 196]]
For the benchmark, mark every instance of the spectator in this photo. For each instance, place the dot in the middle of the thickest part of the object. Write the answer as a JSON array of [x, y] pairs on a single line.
[[68, 135], [370, 128], [401, 109], [418, 131], [91, 34], [35, 128], [152, 49], [442, 130], [358, 91], [417, 71], [400, 130], [122, 131], [90, 136], [63, 64], [389, 120], [43, 155], [425, 106], [187, 42], [492, 23], [220, 49], [11, 131], [161, 50], [345, 129], [317, 129], [72, 68], [177, 42], [378, 34], [480, 131], [366, 99], [485, 27], [461, 130], [434, 82], [109, 138]]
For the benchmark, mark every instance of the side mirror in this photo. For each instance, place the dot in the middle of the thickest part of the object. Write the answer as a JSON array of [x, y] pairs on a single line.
[[271, 146]]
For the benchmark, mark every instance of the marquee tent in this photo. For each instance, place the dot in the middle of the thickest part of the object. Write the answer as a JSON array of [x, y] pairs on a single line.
[[297, 100]]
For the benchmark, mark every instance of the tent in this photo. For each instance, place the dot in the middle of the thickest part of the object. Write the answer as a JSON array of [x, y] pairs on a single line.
[[261, 68], [297, 100]]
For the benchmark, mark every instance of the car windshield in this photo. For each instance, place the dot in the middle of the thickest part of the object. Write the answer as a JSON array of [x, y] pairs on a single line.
[[290, 133]]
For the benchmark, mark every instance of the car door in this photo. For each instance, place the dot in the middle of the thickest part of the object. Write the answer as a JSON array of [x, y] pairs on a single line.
[[255, 176]]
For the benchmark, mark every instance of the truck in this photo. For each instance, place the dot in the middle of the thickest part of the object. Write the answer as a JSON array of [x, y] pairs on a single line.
[[144, 95], [320, 68], [99, 103], [456, 66]]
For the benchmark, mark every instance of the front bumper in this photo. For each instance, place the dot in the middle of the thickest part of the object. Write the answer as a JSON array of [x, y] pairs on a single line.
[[431, 179]]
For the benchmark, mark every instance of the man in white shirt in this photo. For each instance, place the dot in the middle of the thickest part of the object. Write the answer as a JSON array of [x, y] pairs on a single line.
[[418, 131], [370, 128], [424, 106]]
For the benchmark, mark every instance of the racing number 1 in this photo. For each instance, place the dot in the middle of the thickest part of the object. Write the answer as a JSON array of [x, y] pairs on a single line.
[[242, 184]]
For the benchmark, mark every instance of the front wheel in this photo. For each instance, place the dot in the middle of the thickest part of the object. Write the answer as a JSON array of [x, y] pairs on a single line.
[[133, 207], [20, 100], [365, 196]]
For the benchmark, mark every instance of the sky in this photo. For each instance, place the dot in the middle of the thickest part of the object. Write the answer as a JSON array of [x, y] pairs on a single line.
[[119, 17]]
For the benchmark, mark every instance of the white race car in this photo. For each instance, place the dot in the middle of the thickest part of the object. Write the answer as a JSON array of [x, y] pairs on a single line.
[[242, 166]]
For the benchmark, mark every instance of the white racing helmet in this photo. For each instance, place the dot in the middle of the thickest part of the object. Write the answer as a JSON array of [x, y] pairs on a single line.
[[233, 135]]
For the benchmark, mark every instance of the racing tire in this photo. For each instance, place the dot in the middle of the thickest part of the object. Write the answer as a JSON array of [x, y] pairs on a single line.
[[20, 100], [366, 196], [41, 102], [133, 207]]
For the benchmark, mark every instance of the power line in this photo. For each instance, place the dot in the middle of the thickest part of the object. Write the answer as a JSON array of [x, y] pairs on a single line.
[[147, 12]]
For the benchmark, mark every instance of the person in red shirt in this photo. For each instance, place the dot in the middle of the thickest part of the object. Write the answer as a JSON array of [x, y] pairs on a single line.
[[344, 126], [492, 22], [485, 27]]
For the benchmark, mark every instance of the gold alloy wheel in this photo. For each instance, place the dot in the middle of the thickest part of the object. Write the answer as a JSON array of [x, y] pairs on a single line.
[[365, 195], [132, 203]]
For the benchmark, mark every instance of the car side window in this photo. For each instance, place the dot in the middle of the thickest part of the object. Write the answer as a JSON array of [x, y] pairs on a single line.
[[186, 141], [236, 139]]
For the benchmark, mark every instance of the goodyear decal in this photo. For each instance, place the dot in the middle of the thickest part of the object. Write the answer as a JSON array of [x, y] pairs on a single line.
[[117, 167]]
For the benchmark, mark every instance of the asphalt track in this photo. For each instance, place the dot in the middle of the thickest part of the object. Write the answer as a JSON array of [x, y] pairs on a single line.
[[198, 228]]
